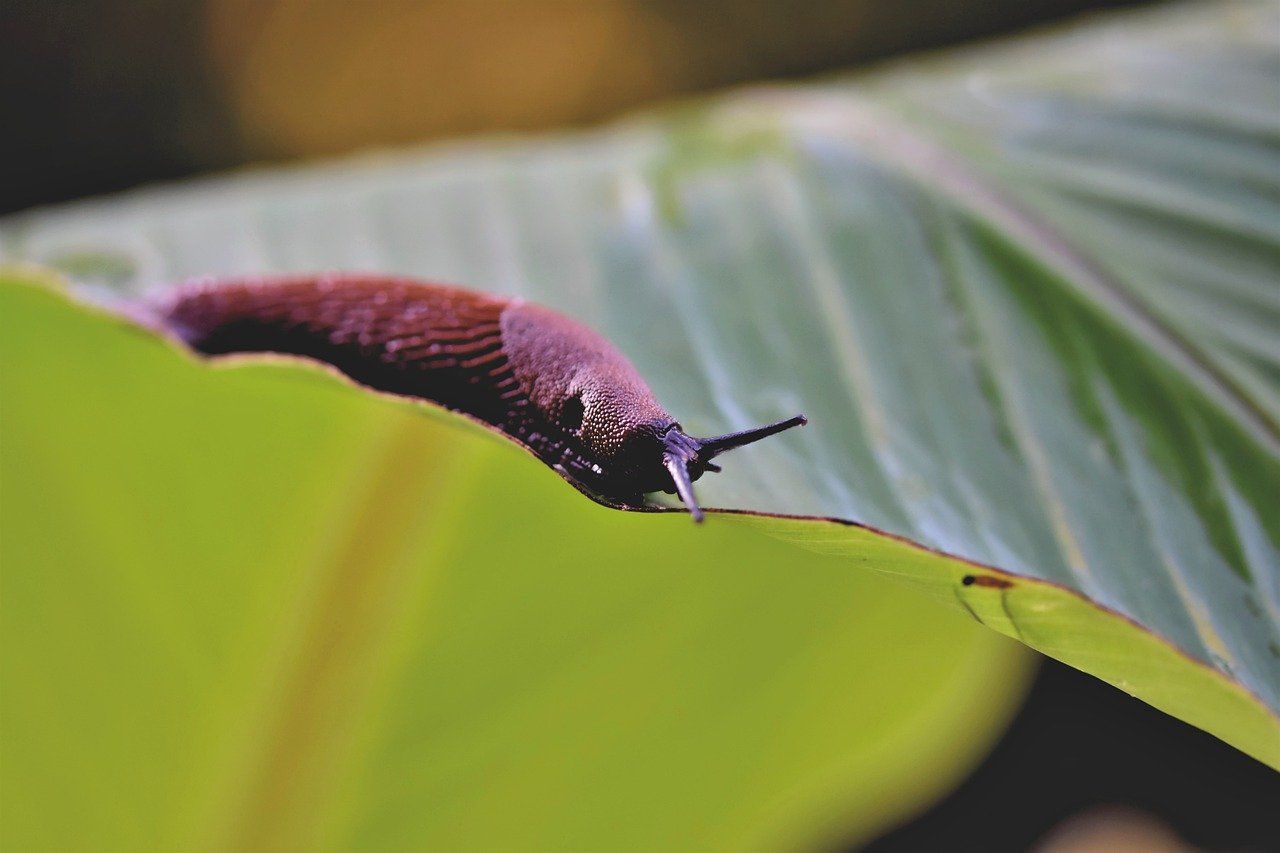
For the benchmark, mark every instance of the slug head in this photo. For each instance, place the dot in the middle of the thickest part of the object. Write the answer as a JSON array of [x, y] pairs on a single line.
[[654, 453], [686, 458], [623, 443], [659, 456], [639, 445]]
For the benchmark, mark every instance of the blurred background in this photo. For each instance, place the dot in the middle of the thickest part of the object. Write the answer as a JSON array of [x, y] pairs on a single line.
[[104, 95], [115, 93]]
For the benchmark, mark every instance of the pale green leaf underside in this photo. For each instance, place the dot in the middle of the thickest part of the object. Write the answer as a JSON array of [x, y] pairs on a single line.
[[1029, 300]]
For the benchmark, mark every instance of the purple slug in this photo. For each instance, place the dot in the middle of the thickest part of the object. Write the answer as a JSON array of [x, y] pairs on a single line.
[[544, 380]]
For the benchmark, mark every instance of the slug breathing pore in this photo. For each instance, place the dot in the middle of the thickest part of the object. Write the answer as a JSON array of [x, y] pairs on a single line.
[[545, 381]]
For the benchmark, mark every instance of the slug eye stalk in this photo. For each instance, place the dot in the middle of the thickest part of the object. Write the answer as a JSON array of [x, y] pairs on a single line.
[[682, 450], [713, 447]]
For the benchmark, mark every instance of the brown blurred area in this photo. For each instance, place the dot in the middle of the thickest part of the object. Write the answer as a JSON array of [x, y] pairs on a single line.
[[105, 94], [1109, 828]]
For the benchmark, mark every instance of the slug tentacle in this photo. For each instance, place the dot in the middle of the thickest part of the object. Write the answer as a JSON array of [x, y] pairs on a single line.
[[687, 458], [722, 443], [544, 380], [684, 487]]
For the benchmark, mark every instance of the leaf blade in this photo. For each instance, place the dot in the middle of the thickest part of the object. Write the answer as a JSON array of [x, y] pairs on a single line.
[[937, 266]]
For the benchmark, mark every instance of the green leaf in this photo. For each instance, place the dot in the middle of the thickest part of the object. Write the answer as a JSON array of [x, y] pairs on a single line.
[[253, 607], [1028, 297]]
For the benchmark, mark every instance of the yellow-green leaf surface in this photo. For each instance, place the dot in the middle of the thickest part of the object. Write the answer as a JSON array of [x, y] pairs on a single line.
[[255, 606], [1029, 298]]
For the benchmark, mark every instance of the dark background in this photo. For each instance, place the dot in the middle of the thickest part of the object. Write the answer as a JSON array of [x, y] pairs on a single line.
[[1082, 751], [101, 96]]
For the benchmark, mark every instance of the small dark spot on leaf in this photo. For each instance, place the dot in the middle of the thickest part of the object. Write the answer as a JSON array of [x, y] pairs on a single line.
[[1274, 649], [987, 581]]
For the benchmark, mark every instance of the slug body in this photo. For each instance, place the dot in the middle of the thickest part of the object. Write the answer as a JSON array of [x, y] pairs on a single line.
[[546, 381]]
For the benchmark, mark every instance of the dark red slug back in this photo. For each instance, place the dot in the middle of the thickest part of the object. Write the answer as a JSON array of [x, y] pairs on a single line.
[[546, 381]]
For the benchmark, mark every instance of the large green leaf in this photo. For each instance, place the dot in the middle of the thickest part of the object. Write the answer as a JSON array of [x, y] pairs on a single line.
[[1029, 299], [256, 608]]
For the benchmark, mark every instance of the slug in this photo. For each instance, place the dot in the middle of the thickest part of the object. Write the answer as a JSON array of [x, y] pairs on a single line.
[[542, 379]]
